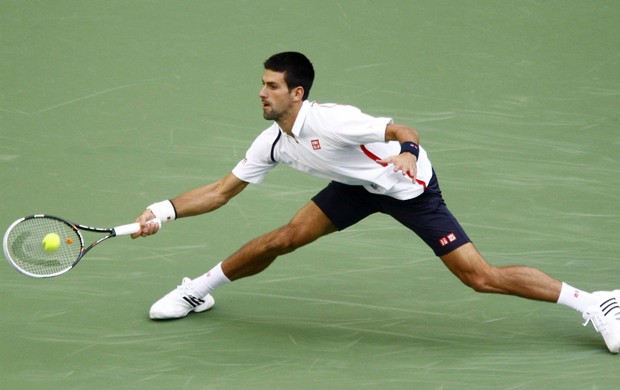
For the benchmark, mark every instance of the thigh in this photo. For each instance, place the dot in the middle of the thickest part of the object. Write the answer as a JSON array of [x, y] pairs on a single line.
[[308, 224], [345, 205], [429, 217]]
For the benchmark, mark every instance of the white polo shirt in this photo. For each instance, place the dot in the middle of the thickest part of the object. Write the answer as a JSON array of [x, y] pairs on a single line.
[[336, 142]]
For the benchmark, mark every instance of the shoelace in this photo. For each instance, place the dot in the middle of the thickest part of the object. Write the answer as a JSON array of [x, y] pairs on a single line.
[[596, 322], [188, 294], [605, 308]]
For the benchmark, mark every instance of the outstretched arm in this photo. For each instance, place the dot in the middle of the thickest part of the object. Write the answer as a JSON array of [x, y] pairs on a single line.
[[197, 201], [405, 161], [208, 198]]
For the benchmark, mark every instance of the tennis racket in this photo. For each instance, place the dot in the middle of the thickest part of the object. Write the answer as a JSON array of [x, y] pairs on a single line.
[[23, 244]]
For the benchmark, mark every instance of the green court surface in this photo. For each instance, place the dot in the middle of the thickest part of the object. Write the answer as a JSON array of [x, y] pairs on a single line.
[[108, 106]]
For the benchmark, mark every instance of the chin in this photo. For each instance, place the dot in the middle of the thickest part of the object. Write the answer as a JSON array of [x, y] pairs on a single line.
[[269, 115]]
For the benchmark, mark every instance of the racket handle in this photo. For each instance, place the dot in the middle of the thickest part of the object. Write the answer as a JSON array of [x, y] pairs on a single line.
[[125, 230]]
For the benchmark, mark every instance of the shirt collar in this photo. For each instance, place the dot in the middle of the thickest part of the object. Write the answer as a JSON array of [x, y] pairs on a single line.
[[301, 118]]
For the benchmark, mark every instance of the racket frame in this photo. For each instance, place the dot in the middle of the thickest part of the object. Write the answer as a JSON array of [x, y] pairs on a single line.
[[110, 232]]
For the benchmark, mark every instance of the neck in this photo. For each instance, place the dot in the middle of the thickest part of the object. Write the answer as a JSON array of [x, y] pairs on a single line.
[[287, 122]]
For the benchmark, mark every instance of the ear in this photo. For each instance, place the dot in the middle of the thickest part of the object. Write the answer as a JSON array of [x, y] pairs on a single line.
[[297, 94]]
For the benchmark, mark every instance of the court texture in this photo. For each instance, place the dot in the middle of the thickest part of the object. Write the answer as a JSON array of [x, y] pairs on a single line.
[[108, 106]]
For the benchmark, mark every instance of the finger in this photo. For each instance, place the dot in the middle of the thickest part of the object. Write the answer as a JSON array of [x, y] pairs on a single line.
[[139, 233], [151, 227], [146, 220]]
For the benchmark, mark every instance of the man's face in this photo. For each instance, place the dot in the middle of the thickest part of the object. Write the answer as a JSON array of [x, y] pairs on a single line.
[[276, 98]]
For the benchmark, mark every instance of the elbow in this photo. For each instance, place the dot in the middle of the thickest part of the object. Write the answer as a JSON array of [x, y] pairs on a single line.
[[401, 134], [412, 135]]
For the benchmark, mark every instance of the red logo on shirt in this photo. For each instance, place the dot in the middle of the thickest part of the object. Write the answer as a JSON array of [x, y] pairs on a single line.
[[316, 145]]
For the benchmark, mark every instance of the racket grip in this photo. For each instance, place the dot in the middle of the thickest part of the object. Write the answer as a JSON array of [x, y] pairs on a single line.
[[125, 230]]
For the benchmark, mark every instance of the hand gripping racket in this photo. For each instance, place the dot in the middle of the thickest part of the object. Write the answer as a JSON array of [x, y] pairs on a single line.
[[23, 244]]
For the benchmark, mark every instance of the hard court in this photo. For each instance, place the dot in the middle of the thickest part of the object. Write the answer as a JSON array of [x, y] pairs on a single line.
[[108, 106]]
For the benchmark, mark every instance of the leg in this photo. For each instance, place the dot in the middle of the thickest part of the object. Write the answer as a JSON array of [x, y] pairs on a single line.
[[526, 282], [306, 226], [469, 266]]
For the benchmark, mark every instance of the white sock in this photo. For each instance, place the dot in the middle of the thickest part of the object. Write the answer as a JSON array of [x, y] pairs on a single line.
[[210, 281], [576, 299]]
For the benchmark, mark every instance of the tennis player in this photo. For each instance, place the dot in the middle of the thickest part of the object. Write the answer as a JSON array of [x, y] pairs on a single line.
[[375, 166]]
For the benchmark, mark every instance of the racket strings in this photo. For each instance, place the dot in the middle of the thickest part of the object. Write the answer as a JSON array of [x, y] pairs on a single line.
[[26, 251]]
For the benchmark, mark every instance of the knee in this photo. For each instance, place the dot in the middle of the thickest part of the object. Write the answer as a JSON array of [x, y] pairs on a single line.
[[472, 269], [482, 281], [478, 283], [285, 239]]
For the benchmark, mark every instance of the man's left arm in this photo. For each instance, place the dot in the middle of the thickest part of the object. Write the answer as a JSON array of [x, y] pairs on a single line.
[[409, 140]]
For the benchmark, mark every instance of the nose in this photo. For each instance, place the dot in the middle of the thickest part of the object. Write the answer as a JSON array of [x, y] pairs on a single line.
[[262, 93]]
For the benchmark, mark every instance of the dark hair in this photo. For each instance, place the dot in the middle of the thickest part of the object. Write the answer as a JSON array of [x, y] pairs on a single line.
[[297, 69]]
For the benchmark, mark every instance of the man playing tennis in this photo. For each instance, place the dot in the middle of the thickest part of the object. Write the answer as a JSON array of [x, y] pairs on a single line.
[[374, 166]]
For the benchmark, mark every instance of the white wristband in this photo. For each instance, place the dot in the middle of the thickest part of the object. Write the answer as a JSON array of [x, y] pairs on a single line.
[[164, 211]]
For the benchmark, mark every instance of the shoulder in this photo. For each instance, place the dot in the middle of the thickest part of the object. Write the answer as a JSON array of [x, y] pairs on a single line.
[[334, 115], [268, 135], [262, 145], [333, 108]]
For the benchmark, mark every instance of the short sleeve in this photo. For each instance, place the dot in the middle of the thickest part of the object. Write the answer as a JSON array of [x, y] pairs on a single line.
[[350, 126], [257, 161]]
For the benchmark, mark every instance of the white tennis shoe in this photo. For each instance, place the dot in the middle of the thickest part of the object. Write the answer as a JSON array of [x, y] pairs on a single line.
[[605, 318], [180, 302]]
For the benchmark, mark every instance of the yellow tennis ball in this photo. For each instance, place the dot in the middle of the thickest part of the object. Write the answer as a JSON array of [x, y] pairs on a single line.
[[51, 242]]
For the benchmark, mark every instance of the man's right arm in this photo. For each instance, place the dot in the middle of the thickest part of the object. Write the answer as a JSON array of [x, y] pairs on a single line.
[[194, 202], [208, 198]]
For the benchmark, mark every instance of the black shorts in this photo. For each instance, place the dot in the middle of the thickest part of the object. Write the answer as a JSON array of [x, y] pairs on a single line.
[[427, 215]]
